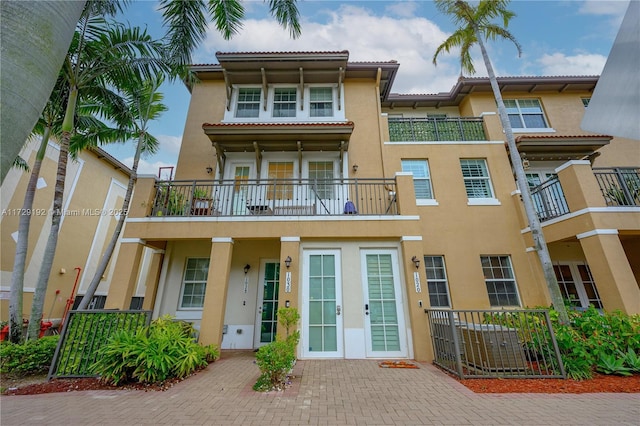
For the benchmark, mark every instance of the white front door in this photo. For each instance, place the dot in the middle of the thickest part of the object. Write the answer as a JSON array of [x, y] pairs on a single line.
[[322, 305], [385, 331], [267, 306]]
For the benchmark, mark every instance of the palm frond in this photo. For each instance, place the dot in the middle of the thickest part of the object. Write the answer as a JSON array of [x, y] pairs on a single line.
[[493, 32], [20, 164], [227, 16], [287, 14], [186, 23]]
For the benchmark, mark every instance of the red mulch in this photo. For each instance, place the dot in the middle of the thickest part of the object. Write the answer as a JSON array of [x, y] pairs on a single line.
[[83, 384], [599, 383]]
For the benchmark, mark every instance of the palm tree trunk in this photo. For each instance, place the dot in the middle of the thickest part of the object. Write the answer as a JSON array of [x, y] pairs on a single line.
[[17, 276], [532, 217], [37, 305], [104, 261]]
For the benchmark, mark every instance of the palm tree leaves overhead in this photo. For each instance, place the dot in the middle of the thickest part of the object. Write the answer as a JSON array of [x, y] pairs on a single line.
[[287, 14]]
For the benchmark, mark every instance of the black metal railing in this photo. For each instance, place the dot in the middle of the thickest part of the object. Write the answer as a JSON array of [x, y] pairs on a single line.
[[436, 129], [276, 197], [619, 186], [489, 343], [549, 200]]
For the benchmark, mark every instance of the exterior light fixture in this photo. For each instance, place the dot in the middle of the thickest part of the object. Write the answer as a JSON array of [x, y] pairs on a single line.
[[209, 170], [246, 268], [287, 261], [355, 168], [416, 261]]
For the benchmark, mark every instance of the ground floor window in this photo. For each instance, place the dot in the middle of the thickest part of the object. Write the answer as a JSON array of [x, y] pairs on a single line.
[[437, 282], [577, 285], [194, 283], [500, 281]]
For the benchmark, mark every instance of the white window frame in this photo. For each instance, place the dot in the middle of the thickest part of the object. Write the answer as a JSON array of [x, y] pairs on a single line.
[[506, 281], [427, 266], [583, 296], [237, 102], [424, 201], [333, 103], [273, 102], [185, 282], [521, 115], [488, 199]]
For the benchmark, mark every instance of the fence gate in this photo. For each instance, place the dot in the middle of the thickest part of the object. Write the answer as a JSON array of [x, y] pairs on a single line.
[[489, 343], [84, 333]]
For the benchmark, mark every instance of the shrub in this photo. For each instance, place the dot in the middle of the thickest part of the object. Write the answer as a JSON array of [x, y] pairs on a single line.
[[162, 351], [30, 357]]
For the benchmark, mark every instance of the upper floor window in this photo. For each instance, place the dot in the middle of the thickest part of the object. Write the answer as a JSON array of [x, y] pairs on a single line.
[[321, 177], [284, 102], [321, 101], [421, 177], [248, 103], [525, 113], [476, 178]]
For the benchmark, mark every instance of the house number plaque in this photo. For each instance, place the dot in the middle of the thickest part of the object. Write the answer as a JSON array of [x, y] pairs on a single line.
[[287, 282], [416, 281]]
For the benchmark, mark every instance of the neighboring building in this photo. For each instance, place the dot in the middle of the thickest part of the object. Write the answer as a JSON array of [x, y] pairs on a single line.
[[94, 191], [303, 181]]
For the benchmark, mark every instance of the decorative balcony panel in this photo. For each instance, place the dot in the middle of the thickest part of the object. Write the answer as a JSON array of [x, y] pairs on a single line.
[[275, 197], [619, 186], [436, 129], [549, 200]]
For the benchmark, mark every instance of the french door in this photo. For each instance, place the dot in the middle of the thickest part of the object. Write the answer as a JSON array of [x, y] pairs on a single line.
[[385, 332], [322, 335], [577, 284], [266, 315]]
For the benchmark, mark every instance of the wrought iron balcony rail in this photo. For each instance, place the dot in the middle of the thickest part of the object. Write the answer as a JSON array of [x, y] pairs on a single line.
[[436, 129], [549, 200], [619, 186], [275, 197]]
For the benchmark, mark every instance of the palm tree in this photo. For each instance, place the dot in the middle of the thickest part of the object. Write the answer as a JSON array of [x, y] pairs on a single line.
[[186, 22], [145, 105], [31, 60], [474, 26], [104, 55]]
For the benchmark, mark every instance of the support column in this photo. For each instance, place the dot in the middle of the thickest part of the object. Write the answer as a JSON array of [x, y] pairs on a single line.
[[611, 271], [151, 283], [125, 275], [289, 286], [215, 298], [418, 297]]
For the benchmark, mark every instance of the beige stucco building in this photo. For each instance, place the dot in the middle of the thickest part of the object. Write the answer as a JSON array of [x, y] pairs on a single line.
[[94, 191], [304, 181]]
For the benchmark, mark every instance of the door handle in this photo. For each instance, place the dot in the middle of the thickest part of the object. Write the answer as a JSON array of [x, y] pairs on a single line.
[[260, 309], [338, 309], [366, 309]]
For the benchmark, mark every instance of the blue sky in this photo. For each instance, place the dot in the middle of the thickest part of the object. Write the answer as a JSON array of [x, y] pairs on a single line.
[[569, 37]]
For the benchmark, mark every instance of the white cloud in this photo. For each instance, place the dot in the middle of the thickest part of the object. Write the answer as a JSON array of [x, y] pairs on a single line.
[[409, 40], [146, 167], [405, 9], [579, 64], [169, 145], [604, 7]]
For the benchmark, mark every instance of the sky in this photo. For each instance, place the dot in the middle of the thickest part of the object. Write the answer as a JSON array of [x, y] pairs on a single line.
[[558, 37]]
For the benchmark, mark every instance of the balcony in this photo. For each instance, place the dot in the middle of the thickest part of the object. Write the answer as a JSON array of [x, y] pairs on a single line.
[[275, 197], [619, 186], [436, 129], [549, 200]]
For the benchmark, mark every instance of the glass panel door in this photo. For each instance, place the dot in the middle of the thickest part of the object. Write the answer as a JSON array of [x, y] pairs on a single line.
[[267, 319], [384, 316], [322, 296], [240, 189]]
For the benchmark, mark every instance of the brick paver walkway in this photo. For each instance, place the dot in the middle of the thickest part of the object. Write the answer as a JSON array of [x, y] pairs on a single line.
[[324, 392]]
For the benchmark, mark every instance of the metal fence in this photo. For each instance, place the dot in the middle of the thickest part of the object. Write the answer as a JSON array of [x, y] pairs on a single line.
[[275, 197], [489, 343], [619, 186], [425, 129], [549, 200], [84, 333]]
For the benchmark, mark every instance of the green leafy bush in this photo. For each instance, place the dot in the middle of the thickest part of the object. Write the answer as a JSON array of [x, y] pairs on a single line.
[[162, 351], [276, 359], [30, 357]]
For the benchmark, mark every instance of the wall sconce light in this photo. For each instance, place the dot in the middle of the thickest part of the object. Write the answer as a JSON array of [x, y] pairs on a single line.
[[355, 168], [246, 268], [287, 261], [209, 170], [287, 304], [416, 261]]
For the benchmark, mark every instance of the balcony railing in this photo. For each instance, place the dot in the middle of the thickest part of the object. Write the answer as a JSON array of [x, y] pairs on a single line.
[[619, 186], [275, 197], [549, 200], [436, 129]]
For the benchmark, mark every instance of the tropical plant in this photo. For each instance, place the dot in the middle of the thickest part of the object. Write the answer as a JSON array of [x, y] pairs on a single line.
[[145, 105], [30, 357], [103, 55], [474, 27]]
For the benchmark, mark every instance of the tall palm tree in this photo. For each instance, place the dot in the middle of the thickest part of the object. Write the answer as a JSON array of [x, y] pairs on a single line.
[[145, 105], [186, 21], [474, 26], [101, 54]]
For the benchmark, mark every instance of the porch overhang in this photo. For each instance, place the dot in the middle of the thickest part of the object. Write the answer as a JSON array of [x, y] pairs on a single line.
[[557, 147]]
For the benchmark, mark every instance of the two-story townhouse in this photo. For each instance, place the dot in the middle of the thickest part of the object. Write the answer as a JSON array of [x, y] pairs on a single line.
[[94, 191], [303, 181]]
